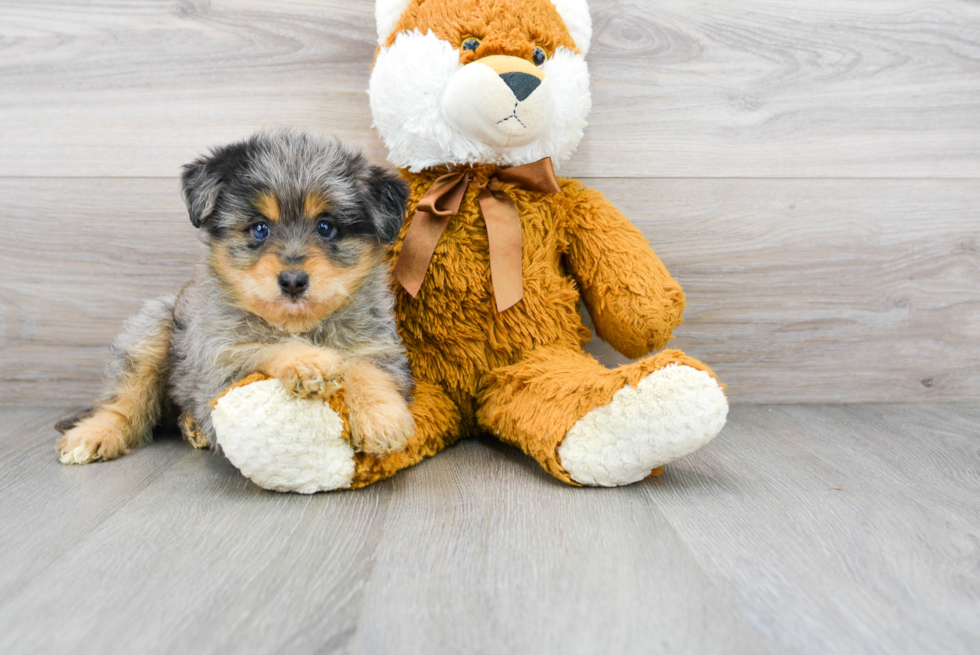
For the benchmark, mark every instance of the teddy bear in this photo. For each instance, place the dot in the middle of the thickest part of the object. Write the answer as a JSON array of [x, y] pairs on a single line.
[[477, 102]]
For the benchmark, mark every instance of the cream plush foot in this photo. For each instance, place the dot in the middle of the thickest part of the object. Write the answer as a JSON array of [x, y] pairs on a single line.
[[282, 442], [671, 412]]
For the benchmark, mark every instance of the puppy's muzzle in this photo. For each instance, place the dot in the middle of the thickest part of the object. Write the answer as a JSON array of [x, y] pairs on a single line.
[[294, 283]]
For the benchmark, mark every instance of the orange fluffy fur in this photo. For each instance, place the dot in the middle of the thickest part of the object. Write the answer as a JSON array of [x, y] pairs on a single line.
[[501, 28], [522, 374]]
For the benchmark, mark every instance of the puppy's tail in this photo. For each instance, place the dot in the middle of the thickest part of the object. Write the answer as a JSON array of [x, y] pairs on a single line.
[[136, 377]]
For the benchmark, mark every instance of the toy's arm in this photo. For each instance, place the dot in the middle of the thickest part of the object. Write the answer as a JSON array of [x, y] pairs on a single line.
[[634, 302]]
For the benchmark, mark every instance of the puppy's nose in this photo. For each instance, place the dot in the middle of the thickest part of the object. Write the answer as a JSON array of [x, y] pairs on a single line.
[[521, 84], [294, 283]]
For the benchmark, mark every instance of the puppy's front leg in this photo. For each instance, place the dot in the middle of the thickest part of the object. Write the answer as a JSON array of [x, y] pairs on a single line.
[[304, 369], [380, 420]]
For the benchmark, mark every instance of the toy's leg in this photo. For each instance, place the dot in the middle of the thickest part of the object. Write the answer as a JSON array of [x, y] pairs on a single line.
[[437, 424], [286, 443], [590, 425]]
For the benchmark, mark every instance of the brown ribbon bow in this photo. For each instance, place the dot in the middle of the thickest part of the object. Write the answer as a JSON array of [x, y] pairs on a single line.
[[441, 203]]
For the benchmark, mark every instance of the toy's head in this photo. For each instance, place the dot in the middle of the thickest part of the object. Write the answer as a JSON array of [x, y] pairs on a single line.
[[480, 81], [294, 223]]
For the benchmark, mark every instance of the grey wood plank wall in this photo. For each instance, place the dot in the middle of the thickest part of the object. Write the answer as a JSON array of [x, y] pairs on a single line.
[[811, 173]]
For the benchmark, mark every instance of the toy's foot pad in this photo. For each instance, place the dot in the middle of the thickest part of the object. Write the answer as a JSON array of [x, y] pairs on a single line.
[[282, 442], [671, 412]]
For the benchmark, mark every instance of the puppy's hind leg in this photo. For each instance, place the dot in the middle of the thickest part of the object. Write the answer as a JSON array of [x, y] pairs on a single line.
[[192, 432], [136, 385], [68, 422]]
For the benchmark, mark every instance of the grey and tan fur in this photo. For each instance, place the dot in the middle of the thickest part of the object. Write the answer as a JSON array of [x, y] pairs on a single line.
[[293, 287]]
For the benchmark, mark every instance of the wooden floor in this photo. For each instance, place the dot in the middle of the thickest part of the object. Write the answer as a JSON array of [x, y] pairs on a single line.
[[802, 529]]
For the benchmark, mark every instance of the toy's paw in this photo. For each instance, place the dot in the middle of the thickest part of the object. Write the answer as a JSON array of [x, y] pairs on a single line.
[[671, 412], [91, 440], [384, 429], [282, 442], [309, 372]]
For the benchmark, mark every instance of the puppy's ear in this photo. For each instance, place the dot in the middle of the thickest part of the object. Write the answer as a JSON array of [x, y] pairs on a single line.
[[204, 179], [385, 194]]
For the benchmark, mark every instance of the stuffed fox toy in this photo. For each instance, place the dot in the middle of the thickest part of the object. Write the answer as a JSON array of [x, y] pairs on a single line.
[[477, 100]]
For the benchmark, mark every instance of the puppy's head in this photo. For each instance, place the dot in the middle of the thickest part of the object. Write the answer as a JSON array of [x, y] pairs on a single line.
[[294, 223], [480, 81]]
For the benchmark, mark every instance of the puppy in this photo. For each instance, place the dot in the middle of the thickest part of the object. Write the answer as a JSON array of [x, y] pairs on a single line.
[[293, 287]]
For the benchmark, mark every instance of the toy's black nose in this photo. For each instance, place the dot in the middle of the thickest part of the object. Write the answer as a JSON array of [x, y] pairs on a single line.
[[294, 283], [522, 84]]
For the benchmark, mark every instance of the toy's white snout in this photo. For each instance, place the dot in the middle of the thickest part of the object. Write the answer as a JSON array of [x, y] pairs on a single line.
[[501, 101]]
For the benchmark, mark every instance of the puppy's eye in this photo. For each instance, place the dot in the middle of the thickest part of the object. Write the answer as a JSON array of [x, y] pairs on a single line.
[[325, 229], [261, 231], [539, 56], [470, 44]]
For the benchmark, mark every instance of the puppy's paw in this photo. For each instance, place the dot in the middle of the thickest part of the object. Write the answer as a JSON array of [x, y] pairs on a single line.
[[382, 428], [193, 434], [306, 371], [90, 441], [311, 380]]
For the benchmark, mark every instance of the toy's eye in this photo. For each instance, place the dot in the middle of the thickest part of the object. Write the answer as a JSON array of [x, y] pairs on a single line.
[[471, 44], [261, 231], [540, 56], [325, 229]]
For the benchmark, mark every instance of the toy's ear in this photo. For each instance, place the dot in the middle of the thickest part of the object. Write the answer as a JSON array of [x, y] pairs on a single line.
[[574, 13], [203, 180], [386, 15], [385, 195]]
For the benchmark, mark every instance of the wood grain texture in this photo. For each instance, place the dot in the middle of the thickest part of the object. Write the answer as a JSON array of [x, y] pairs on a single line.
[[821, 291], [504, 543], [759, 88], [875, 507], [798, 290], [181, 540], [817, 529]]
